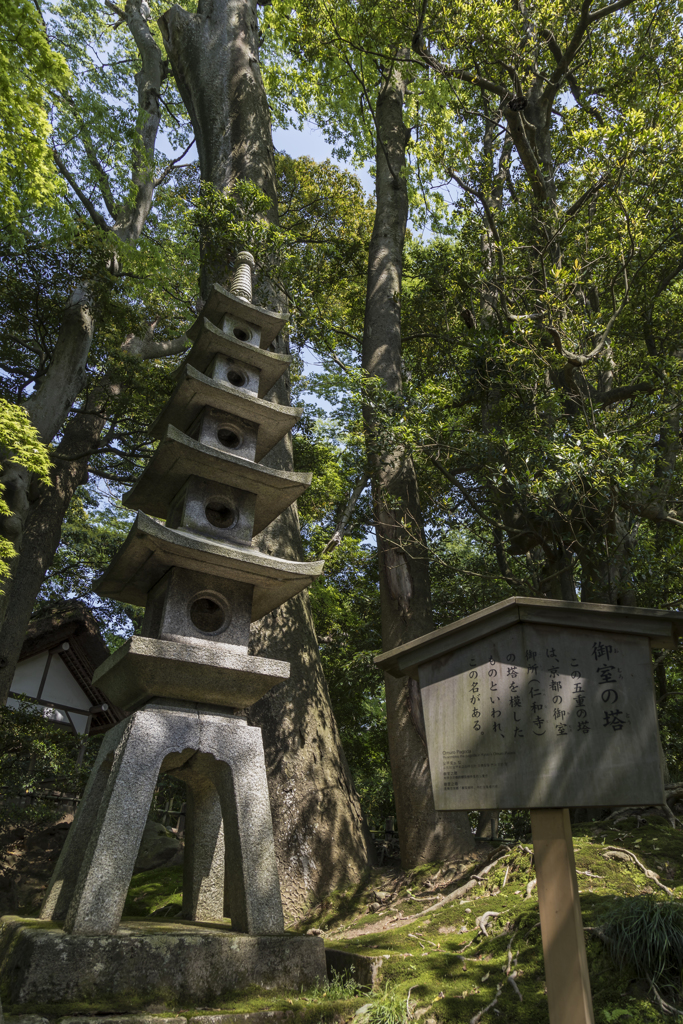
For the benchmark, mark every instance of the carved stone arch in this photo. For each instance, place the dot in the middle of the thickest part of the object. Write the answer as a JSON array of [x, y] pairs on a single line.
[[221, 759]]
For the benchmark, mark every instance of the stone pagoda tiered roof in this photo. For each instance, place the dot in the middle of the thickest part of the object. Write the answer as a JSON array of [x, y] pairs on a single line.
[[198, 572]]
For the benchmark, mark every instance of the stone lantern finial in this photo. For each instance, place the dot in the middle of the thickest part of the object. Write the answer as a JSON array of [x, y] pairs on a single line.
[[241, 280]]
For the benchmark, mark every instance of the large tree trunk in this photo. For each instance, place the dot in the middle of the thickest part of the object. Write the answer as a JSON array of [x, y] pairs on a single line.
[[320, 836], [405, 593], [48, 408], [214, 56]]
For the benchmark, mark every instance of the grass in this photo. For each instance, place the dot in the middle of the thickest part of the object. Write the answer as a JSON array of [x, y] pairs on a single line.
[[645, 934], [389, 1007], [339, 986]]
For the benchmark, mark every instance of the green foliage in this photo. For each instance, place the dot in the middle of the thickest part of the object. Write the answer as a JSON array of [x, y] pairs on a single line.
[[231, 220], [20, 443], [91, 535], [97, 128], [542, 369], [321, 263], [37, 760], [340, 986], [389, 1008], [548, 389], [345, 605], [31, 72], [645, 934], [308, 44]]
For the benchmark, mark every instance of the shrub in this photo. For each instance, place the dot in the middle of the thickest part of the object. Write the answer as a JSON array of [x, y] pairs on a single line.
[[38, 765], [645, 934]]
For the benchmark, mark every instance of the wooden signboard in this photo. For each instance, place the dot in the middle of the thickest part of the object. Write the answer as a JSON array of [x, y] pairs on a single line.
[[544, 705], [531, 717]]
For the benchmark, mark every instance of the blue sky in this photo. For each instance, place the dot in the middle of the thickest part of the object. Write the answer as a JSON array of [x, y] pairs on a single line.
[[310, 142]]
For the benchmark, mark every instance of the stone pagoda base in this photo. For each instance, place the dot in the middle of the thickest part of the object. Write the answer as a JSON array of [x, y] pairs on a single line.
[[45, 970]]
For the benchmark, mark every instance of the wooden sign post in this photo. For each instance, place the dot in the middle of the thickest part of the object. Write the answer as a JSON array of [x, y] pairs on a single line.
[[564, 946], [544, 705]]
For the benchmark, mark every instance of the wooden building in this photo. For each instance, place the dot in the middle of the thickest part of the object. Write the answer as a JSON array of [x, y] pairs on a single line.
[[63, 647]]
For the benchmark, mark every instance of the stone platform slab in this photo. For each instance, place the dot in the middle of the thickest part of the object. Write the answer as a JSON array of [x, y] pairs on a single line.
[[186, 669], [44, 970]]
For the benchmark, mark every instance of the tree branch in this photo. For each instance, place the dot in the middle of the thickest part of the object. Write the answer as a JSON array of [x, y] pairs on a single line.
[[117, 10], [95, 215], [604, 12], [458, 73], [169, 167], [574, 358], [148, 80], [338, 535], [575, 207], [474, 505], [148, 348], [482, 199], [619, 394], [101, 176]]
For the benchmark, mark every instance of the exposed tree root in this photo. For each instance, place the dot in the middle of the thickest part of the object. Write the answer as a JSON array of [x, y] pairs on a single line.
[[477, 1017], [618, 853], [471, 883], [482, 921], [662, 1003], [509, 972]]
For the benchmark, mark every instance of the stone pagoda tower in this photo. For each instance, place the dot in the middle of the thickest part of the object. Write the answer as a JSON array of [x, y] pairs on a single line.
[[185, 679]]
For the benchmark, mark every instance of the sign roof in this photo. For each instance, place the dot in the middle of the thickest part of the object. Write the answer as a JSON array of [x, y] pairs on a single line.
[[663, 627]]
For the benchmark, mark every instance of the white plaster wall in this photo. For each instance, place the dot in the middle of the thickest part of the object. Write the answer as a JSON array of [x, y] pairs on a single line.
[[28, 675], [60, 687]]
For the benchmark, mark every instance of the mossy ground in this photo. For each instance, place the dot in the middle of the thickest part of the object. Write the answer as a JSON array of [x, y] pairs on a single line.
[[441, 963], [453, 970], [157, 893]]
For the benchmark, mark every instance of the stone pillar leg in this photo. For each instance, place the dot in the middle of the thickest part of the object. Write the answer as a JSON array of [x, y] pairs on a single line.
[[204, 865], [221, 758], [65, 875], [107, 867], [252, 883]]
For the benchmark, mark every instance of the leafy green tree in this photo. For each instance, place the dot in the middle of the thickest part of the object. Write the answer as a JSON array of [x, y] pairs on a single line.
[[21, 444], [378, 110], [553, 362], [94, 291], [32, 75], [536, 376]]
